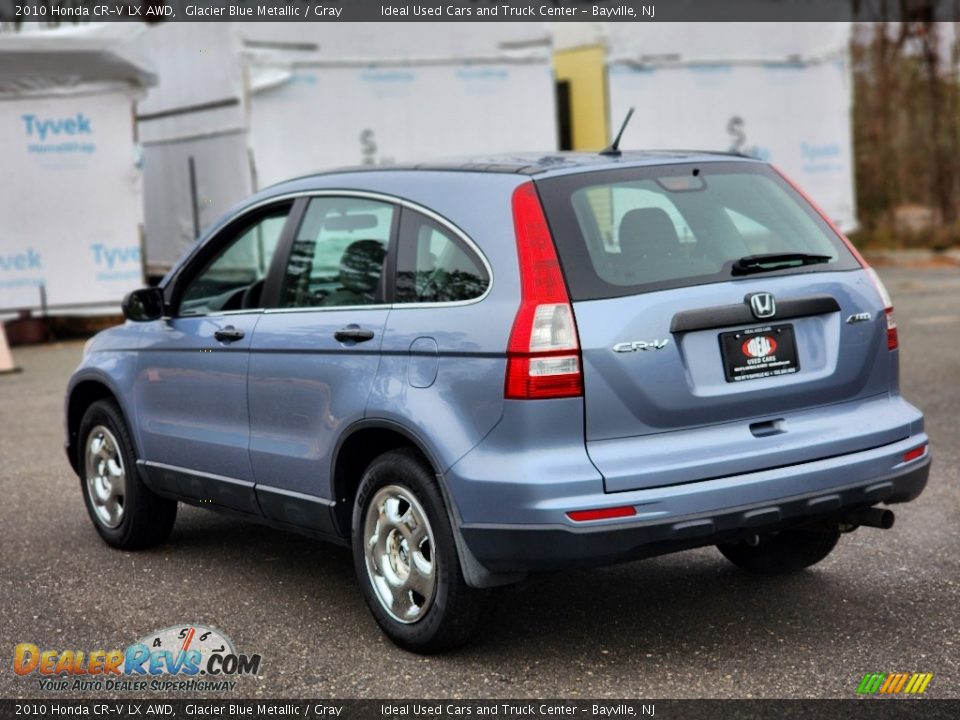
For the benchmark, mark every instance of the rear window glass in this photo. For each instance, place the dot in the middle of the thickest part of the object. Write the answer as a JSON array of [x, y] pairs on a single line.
[[627, 231]]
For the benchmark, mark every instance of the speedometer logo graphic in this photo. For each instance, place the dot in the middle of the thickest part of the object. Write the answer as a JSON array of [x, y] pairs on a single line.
[[180, 639]]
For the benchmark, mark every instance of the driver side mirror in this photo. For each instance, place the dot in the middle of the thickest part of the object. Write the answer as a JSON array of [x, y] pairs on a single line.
[[143, 304]]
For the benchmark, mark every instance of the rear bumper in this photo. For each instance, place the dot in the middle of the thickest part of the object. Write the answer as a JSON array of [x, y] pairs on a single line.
[[535, 547]]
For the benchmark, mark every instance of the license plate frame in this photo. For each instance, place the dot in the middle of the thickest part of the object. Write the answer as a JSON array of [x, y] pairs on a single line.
[[759, 352]]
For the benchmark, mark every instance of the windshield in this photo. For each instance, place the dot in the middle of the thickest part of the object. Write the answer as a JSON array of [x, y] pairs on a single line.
[[627, 231]]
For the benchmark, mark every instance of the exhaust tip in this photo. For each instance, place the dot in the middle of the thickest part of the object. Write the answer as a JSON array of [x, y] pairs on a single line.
[[887, 519], [871, 517]]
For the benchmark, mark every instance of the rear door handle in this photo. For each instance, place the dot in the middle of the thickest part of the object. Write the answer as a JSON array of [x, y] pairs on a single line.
[[353, 333], [228, 334]]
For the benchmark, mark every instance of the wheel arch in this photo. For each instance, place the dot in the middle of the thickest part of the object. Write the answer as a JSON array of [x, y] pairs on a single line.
[[360, 445], [82, 395]]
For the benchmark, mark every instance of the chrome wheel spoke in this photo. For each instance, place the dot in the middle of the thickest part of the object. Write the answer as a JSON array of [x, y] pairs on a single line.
[[413, 525], [114, 469], [423, 562], [391, 510], [420, 583], [103, 489], [113, 510]]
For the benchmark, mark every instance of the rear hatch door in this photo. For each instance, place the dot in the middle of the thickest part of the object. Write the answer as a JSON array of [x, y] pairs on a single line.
[[700, 362]]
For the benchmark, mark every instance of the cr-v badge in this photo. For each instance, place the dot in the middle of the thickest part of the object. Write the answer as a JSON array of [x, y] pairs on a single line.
[[640, 345]]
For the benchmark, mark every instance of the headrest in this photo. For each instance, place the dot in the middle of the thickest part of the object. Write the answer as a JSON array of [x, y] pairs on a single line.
[[647, 234]]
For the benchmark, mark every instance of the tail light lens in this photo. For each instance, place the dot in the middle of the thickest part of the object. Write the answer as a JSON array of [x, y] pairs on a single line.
[[543, 354], [893, 341]]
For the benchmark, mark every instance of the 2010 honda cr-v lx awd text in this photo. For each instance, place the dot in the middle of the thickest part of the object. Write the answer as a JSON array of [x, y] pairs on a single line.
[[476, 371]]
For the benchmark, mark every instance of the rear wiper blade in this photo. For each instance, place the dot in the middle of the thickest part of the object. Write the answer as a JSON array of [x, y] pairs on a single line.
[[775, 261]]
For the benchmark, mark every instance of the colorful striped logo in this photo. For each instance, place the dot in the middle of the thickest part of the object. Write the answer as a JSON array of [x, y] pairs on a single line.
[[894, 683]]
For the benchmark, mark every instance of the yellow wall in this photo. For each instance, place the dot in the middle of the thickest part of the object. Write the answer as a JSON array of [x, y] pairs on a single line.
[[584, 69]]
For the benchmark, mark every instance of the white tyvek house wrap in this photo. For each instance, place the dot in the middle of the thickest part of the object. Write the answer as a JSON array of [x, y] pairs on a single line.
[[285, 99], [781, 92], [322, 97], [394, 115], [71, 198]]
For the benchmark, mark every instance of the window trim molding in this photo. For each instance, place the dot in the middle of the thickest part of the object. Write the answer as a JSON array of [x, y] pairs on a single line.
[[202, 254], [455, 239]]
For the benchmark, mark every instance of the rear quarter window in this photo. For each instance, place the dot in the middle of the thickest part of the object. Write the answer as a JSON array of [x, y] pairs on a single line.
[[635, 230]]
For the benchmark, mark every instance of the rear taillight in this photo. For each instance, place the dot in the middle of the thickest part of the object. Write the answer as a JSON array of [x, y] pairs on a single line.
[[543, 355], [893, 342]]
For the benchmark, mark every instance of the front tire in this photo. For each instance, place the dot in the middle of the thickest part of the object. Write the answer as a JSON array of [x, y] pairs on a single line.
[[783, 552], [406, 558], [126, 513]]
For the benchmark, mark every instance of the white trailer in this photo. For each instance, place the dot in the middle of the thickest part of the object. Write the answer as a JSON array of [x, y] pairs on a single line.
[[193, 127], [778, 91], [71, 202]]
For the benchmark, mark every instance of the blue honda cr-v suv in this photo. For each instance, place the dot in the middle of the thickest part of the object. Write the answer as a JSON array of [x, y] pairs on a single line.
[[476, 371]]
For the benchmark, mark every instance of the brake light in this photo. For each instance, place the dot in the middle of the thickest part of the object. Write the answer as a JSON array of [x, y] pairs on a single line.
[[602, 513], [893, 341], [543, 354]]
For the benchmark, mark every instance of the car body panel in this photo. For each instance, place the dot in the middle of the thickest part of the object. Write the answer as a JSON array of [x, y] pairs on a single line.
[[456, 408], [192, 409], [305, 387]]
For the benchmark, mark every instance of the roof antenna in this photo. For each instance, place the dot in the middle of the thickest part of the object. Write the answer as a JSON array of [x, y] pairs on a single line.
[[614, 149]]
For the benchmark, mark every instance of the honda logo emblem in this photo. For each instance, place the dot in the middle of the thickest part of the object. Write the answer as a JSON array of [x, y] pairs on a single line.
[[763, 305]]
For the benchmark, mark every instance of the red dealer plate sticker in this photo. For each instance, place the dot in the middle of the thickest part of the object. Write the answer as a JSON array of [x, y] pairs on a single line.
[[759, 352]]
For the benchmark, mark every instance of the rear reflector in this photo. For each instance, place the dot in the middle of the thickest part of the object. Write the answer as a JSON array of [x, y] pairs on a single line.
[[915, 453], [543, 354], [602, 514]]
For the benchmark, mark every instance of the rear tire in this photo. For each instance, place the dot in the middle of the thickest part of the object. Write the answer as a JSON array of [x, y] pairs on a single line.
[[406, 559], [783, 552], [126, 513]]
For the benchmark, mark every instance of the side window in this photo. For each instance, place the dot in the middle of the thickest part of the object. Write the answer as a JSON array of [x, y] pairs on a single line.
[[233, 279], [338, 255], [433, 265]]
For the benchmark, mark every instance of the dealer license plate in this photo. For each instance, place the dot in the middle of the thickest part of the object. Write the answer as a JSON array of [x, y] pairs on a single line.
[[759, 352]]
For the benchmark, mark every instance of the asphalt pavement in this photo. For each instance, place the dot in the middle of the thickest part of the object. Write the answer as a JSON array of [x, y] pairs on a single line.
[[685, 625]]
